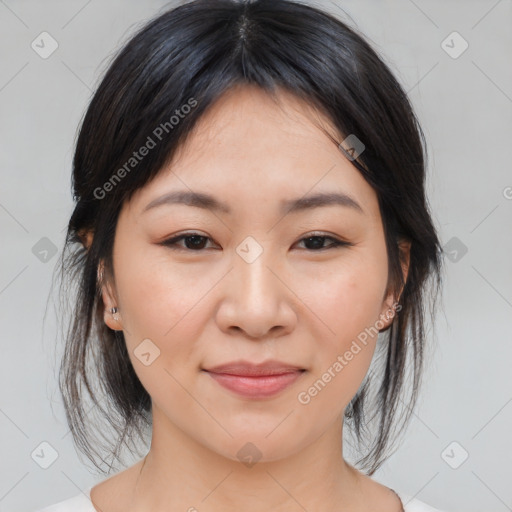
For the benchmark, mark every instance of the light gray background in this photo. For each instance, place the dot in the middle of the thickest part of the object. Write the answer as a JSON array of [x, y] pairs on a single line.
[[465, 106]]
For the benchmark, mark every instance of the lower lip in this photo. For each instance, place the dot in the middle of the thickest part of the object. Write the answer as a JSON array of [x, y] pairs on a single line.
[[256, 387]]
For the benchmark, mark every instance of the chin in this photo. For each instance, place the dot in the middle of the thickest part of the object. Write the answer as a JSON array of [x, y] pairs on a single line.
[[257, 447]]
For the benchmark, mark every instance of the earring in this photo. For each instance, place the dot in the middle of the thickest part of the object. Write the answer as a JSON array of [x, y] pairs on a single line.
[[114, 311]]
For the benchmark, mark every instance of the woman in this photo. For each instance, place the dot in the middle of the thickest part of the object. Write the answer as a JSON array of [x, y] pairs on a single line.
[[253, 246]]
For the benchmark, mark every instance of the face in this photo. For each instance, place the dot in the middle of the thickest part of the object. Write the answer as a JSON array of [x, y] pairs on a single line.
[[253, 280]]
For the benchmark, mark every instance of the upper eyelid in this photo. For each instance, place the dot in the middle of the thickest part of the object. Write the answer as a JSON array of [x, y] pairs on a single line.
[[320, 234], [308, 235]]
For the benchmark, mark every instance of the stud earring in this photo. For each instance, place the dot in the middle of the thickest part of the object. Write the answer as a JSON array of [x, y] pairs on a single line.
[[114, 311]]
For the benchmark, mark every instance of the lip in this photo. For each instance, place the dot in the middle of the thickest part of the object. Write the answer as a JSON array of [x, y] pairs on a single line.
[[248, 369], [255, 380]]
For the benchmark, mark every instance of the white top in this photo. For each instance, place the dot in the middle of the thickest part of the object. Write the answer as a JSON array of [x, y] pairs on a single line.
[[82, 503]]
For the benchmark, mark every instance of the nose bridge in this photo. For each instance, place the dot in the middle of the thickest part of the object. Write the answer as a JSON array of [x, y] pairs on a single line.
[[253, 264], [256, 299]]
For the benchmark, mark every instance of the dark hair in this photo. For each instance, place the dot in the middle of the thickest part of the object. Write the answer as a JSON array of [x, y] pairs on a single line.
[[178, 65]]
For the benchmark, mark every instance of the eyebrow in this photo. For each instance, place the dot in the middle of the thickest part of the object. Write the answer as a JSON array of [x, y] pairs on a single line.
[[208, 202]]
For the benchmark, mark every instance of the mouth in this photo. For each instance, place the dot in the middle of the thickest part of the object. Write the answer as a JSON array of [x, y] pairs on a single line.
[[255, 380]]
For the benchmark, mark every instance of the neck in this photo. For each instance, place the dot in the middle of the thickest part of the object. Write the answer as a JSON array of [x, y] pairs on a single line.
[[180, 474]]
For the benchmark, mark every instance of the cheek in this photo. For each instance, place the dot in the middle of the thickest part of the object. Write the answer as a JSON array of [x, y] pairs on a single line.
[[346, 299], [147, 289], [348, 302], [159, 304], [159, 301], [342, 358]]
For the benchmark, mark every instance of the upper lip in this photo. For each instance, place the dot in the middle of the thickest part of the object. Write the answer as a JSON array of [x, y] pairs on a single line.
[[247, 368]]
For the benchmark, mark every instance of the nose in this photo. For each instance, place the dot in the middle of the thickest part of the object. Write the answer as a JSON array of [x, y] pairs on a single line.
[[256, 299]]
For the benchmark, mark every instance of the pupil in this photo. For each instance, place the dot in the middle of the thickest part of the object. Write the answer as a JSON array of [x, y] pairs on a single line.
[[197, 240], [318, 240]]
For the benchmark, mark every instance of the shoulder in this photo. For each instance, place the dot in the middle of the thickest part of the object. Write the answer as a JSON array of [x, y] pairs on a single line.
[[413, 505], [78, 503]]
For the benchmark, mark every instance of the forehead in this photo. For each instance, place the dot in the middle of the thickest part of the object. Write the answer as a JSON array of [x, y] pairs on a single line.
[[248, 149], [250, 118]]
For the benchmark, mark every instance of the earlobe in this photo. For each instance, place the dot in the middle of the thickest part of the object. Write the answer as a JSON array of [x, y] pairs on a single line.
[[111, 313], [112, 319], [390, 304], [388, 313]]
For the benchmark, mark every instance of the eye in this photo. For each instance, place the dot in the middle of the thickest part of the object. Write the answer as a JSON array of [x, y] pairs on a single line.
[[196, 242], [316, 241], [193, 242]]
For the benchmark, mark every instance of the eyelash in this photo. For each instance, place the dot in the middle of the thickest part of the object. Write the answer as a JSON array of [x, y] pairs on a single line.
[[172, 243]]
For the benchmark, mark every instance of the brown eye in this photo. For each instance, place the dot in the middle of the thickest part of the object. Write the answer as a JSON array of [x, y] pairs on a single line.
[[316, 242], [193, 242], [196, 242]]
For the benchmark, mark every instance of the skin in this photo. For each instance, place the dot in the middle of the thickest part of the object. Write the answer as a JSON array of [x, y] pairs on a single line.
[[296, 303]]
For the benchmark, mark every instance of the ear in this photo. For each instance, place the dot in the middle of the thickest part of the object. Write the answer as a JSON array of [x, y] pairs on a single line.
[[85, 236], [389, 306], [108, 294]]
